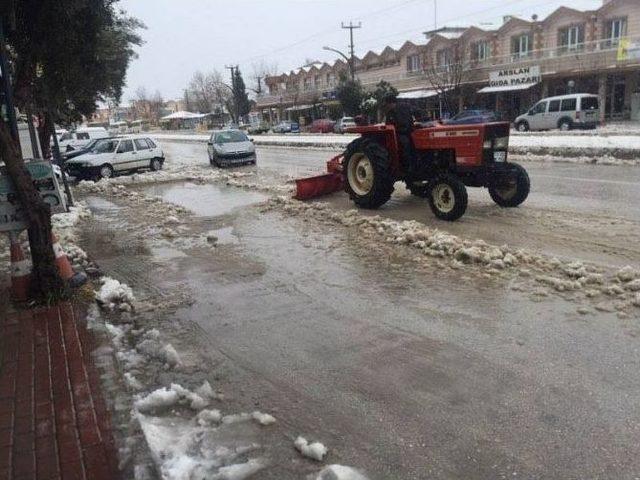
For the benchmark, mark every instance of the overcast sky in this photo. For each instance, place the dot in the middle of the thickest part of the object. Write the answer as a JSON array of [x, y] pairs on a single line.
[[184, 36]]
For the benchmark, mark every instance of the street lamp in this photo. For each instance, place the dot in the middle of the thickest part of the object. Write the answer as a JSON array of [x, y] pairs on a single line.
[[349, 60]]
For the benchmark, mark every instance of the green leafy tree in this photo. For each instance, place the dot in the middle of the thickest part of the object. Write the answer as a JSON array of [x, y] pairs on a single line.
[[350, 94], [66, 55], [383, 88]]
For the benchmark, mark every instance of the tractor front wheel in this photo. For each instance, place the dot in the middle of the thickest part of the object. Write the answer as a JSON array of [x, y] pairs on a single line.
[[447, 197], [514, 191], [369, 181]]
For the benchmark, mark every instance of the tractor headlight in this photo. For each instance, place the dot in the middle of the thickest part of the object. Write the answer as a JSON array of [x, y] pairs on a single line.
[[487, 145], [501, 143]]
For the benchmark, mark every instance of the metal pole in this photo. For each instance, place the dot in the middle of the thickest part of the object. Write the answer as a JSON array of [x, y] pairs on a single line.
[[32, 135], [6, 86], [58, 160], [351, 27]]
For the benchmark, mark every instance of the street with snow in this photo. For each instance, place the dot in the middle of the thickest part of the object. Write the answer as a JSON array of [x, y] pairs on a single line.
[[263, 337]]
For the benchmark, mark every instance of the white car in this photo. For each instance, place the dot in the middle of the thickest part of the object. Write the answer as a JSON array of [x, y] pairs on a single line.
[[119, 154], [82, 136], [343, 123]]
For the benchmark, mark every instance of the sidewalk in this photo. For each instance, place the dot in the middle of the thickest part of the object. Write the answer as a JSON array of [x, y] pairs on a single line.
[[53, 420]]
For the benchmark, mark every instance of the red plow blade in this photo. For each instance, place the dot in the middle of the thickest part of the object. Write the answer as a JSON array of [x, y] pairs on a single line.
[[312, 187]]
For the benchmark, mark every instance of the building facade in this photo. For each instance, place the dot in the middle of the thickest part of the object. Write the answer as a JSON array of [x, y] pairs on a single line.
[[506, 68]]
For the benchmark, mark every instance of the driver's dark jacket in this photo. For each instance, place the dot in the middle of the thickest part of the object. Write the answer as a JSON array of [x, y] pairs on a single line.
[[402, 118]]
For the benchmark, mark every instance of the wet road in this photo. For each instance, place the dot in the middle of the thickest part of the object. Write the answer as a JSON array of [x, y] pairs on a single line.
[[574, 210], [406, 370]]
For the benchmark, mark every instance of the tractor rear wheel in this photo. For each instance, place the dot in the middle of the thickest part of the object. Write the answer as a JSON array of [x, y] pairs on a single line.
[[447, 197], [515, 191], [369, 181]]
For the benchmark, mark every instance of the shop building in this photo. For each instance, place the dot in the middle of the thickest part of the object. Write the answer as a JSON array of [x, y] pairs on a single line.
[[506, 68]]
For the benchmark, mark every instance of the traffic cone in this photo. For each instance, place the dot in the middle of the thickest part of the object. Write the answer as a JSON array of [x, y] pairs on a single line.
[[20, 270], [64, 265]]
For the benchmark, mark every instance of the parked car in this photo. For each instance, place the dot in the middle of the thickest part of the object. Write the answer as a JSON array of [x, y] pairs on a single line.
[[286, 127], [343, 123], [81, 137], [118, 154], [322, 125], [258, 128], [579, 110], [230, 147], [69, 154], [471, 116]]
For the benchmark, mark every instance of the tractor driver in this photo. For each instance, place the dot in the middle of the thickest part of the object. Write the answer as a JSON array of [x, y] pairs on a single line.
[[400, 115]]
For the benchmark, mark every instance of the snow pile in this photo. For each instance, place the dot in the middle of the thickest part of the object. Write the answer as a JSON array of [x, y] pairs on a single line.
[[209, 417], [114, 295], [156, 400], [559, 275], [315, 450], [261, 418], [151, 347], [340, 472], [183, 450], [64, 224]]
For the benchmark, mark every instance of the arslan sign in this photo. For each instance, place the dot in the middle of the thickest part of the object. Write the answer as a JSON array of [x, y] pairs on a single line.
[[11, 215], [514, 77]]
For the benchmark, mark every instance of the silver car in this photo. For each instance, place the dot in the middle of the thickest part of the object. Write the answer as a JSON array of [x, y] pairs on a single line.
[[230, 147]]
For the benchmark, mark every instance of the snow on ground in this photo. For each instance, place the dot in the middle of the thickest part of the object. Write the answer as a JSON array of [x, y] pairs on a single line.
[[315, 450], [340, 472], [611, 290], [114, 295]]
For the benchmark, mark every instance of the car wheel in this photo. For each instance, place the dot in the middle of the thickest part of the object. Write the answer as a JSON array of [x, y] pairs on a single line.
[[156, 164], [523, 127], [565, 125], [448, 197], [106, 171]]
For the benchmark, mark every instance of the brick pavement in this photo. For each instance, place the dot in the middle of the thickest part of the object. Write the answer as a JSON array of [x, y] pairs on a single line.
[[54, 423]]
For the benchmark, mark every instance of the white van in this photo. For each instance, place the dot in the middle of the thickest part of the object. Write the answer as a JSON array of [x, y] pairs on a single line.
[[578, 110], [81, 137]]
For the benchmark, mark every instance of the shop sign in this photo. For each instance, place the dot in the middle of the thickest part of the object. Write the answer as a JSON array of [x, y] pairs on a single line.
[[12, 217], [628, 50], [513, 77]]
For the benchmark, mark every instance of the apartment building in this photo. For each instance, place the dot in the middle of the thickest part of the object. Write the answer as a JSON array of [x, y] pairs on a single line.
[[505, 68]]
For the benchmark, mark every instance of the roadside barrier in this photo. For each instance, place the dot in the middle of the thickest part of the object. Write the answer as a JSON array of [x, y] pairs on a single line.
[[20, 270]]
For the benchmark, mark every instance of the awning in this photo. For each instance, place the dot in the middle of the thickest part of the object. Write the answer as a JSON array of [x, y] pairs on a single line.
[[298, 107], [415, 94], [506, 88], [182, 115]]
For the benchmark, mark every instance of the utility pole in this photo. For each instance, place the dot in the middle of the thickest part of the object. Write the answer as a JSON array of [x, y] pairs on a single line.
[[435, 14], [232, 69], [351, 27]]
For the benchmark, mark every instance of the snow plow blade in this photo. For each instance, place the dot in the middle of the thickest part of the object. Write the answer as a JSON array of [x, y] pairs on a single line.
[[312, 187]]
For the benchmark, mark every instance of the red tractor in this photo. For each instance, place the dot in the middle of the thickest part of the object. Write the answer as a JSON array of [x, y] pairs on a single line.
[[448, 158]]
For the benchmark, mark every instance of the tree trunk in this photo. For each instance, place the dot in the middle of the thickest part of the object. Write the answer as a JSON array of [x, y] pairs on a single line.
[[46, 284], [43, 135]]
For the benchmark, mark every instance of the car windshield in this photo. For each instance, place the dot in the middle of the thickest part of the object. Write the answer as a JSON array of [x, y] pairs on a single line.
[[105, 146], [230, 137], [65, 136]]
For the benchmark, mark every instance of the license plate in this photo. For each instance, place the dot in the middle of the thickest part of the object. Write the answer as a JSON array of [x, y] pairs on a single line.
[[499, 156]]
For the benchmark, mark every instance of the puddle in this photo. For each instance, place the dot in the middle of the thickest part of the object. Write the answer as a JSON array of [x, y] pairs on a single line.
[[163, 252], [99, 204], [206, 200], [225, 236]]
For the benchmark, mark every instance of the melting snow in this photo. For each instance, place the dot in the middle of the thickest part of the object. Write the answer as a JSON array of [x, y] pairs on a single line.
[[315, 450]]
